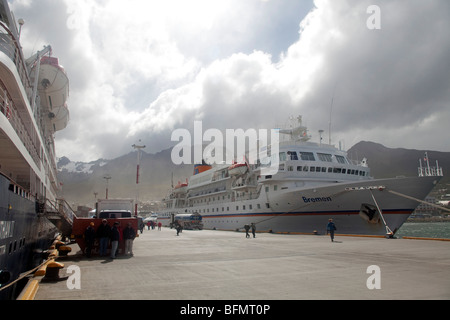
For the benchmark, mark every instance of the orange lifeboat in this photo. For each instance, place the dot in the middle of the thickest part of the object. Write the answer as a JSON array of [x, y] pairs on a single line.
[[237, 169]]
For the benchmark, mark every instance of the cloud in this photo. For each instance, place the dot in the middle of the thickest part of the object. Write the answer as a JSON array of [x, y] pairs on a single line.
[[141, 70]]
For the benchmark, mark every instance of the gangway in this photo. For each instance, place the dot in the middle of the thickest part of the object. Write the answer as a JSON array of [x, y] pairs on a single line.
[[59, 213]]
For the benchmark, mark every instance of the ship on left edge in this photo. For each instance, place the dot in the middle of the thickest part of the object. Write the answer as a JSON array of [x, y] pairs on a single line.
[[33, 105]]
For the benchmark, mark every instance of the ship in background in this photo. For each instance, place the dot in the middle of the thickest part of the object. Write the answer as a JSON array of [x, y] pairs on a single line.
[[314, 182], [33, 106]]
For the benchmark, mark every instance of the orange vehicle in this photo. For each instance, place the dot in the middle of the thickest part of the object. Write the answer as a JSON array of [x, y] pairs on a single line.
[[114, 210]]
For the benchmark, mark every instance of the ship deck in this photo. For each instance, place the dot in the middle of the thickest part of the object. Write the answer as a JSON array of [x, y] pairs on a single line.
[[219, 265]]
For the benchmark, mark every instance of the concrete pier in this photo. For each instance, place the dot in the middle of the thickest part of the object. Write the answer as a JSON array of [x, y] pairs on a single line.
[[218, 265]]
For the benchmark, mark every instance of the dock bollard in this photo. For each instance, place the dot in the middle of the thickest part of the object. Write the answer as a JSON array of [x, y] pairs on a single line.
[[64, 250], [52, 272]]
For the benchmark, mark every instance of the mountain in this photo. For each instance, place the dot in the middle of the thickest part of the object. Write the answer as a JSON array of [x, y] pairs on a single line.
[[157, 172], [387, 163]]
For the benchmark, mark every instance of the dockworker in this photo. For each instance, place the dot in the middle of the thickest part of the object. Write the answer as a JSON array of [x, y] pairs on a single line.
[[103, 234], [178, 227], [128, 235], [247, 228], [115, 237], [253, 230], [331, 227], [89, 239]]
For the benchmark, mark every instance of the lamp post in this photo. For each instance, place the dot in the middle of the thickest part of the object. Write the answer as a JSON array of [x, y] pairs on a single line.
[[138, 148], [107, 178]]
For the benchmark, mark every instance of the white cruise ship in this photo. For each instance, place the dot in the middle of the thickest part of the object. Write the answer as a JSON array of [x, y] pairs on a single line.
[[314, 182]]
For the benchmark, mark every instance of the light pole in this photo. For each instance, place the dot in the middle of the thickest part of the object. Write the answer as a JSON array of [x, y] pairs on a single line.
[[138, 148], [107, 178]]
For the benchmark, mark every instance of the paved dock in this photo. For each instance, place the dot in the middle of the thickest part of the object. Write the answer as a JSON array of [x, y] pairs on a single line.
[[219, 265]]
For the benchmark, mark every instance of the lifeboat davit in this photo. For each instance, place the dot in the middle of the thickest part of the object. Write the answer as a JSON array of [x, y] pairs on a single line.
[[53, 89], [237, 169]]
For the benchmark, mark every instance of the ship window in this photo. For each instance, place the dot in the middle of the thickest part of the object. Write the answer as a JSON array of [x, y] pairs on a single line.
[[290, 168], [275, 188], [299, 168], [282, 156], [324, 169], [330, 170], [305, 168], [313, 169], [325, 157], [340, 159], [307, 156], [292, 155], [281, 167]]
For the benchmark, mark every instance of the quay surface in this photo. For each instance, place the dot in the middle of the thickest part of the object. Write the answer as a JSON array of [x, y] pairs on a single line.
[[219, 265]]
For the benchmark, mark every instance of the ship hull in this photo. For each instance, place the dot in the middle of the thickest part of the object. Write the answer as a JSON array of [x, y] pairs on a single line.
[[23, 237], [307, 210]]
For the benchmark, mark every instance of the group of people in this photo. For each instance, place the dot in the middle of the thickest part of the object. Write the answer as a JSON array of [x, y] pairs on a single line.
[[105, 233], [247, 229], [153, 224]]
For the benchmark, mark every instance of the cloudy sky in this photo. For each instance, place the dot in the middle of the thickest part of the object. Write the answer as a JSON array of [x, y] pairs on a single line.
[[139, 69]]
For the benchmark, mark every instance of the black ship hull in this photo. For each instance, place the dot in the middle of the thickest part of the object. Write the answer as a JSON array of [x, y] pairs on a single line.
[[23, 237]]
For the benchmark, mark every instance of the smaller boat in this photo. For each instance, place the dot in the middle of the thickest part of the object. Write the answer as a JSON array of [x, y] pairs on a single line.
[[237, 169]]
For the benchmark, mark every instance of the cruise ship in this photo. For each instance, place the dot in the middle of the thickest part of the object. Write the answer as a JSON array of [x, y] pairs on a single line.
[[314, 182], [33, 106]]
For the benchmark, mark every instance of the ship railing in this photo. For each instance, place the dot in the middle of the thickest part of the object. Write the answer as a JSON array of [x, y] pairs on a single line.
[[60, 207], [9, 45]]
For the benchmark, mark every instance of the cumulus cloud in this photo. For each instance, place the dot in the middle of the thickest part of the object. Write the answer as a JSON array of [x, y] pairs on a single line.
[[142, 69]]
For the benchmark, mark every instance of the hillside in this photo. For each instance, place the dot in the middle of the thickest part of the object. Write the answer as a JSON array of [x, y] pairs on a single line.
[[80, 180]]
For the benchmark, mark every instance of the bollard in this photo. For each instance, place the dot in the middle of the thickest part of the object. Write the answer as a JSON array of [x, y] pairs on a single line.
[[52, 272]]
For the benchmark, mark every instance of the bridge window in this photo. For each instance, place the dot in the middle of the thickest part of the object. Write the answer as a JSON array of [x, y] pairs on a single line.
[[341, 159], [292, 155], [307, 156], [325, 157]]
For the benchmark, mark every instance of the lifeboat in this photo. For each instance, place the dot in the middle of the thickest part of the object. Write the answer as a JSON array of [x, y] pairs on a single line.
[[53, 83], [180, 187], [59, 118], [237, 169], [53, 89]]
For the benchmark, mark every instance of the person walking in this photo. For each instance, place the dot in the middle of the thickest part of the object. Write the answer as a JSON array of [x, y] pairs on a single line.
[[128, 235], [159, 226], [115, 237], [331, 227], [89, 239], [253, 230], [247, 228], [179, 227], [103, 234]]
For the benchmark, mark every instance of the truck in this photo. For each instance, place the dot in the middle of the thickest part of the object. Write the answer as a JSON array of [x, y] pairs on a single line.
[[113, 210], [189, 221]]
